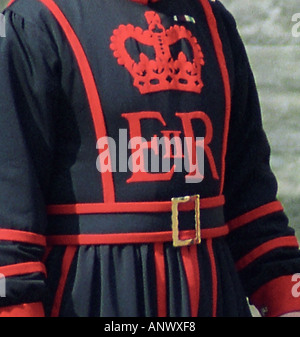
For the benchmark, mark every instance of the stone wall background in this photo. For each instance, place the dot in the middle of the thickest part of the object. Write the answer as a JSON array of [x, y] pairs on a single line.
[[266, 28]]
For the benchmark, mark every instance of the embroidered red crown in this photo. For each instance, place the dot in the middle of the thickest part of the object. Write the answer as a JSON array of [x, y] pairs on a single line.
[[163, 72]]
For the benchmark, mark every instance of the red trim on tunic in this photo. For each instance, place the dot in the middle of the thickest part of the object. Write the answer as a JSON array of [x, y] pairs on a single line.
[[214, 277], [255, 214], [93, 96], [65, 267], [276, 297], [131, 238], [281, 242], [161, 287], [91, 90], [191, 266], [23, 310], [22, 269], [131, 207], [225, 76], [22, 236]]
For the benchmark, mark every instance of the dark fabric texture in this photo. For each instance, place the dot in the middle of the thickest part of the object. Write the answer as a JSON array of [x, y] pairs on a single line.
[[48, 156]]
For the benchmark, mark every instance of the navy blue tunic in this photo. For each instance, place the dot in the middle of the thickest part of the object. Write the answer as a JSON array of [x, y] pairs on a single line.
[[89, 241]]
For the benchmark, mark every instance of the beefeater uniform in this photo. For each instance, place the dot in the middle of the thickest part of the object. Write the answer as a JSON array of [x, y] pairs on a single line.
[[81, 240]]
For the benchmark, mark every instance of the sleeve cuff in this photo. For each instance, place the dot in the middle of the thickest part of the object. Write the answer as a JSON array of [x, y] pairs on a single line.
[[277, 297], [23, 310]]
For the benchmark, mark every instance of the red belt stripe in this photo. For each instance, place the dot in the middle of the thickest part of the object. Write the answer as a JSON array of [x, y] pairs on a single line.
[[131, 238], [98, 239], [131, 207]]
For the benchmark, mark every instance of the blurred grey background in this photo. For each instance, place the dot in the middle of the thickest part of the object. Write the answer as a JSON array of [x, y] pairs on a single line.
[[266, 28], [3, 3]]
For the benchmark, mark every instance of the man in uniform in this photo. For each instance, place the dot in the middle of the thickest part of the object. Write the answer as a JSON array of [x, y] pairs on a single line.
[[87, 227]]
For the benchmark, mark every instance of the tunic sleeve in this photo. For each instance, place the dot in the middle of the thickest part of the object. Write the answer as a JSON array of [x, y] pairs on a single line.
[[28, 102], [263, 245]]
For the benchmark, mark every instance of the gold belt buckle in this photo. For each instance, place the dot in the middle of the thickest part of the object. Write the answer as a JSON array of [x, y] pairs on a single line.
[[175, 223]]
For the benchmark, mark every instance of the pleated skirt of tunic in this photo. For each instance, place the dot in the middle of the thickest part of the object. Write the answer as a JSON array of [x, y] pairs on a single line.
[[144, 280]]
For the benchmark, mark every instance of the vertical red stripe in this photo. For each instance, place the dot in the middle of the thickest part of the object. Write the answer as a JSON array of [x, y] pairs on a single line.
[[191, 266], [214, 277], [65, 267], [161, 287], [224, 72], [90, 87]]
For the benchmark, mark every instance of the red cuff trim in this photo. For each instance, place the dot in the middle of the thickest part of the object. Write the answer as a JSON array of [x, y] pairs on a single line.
[[22, 236], [277, 297], [23, 310], [281, 242], [255, 214], [22, 269]]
